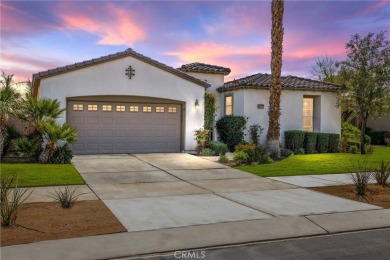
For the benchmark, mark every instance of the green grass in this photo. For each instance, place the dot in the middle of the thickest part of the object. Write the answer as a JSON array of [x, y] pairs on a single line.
[[325, 163], [31, 175]]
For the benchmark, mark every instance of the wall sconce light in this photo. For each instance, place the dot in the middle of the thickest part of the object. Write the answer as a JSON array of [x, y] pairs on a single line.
[[196, 103]]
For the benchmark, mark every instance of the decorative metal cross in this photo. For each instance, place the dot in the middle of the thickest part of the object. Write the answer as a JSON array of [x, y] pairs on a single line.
[[130, 72]]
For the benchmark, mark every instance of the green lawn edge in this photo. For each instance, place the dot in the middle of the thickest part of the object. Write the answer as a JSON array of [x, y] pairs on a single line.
[[316, 164], [40, 175]]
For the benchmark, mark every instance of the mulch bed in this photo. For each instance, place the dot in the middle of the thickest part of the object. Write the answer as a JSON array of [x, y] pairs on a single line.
[[380, 196], [48, 221]]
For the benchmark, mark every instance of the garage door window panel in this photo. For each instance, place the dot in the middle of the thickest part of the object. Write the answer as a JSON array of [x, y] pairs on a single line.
[[160, 109], [172, 110], [120, 108], [107, 108], [78, 107], [134, 108], [93, 107], [147, 109]]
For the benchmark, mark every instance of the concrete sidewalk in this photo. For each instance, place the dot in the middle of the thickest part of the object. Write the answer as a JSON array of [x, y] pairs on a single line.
[[200, 236], [321, 180]]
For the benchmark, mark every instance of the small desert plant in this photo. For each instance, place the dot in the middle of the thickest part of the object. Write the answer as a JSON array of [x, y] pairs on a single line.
[[361, 178], [66, 197], [382, 174], [207, 152], [223, 159], [11, 197]]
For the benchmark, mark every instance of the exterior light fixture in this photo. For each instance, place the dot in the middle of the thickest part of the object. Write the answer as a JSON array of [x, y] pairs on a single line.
[[196, 103]]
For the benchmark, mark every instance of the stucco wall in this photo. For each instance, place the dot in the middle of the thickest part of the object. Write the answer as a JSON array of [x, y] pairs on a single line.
[[379, 124], [109, 79], [246, 101]]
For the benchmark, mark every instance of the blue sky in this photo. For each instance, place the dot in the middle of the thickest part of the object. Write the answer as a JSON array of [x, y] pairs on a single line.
[[41, 35]]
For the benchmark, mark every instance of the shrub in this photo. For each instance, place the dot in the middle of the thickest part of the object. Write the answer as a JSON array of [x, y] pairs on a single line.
[[275, 156], [11, 197], [387, 139], [207, 152], [62, 155], [353, 149], [310, 142], [209, 111], [294, 139], [361, 178], [201, 136], [223, 159], [382, 174], [322, 142], [219, 148], [240, 158], [254, 152], [369, 149], [66, 197], [286, 153], [299, 151], [350, 136], [255, 131], [28, 147], [377, 137], [10, 135], [231, 130], [265, 159], [333, 146]]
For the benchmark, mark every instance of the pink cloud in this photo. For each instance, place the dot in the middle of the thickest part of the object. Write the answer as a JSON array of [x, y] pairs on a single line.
[[118, 28], [372, 8]]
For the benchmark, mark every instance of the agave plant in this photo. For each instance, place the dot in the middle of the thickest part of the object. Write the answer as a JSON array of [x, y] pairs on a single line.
[[66, 197], [54, 133], [382, 174], [362, 176]]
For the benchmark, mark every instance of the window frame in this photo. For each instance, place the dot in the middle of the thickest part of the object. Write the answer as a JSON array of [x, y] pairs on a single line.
[[305, 117], [224, 103]]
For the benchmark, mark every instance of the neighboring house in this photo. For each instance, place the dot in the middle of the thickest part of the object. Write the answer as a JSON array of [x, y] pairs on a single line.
[[379, 124], [129, 103], [305, 104]]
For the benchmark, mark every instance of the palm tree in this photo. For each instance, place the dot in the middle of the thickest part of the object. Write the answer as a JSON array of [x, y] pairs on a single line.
[[9, 104], [53, 134], [37, 111], [273, 134]]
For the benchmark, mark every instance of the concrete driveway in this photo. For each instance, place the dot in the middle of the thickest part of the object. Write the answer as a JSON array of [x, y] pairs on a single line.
[[157, 191]]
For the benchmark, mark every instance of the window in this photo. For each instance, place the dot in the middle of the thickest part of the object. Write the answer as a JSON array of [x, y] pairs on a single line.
[[228, 105], [106, 107], [92, 107], [171, 109], [159, 109], [120, 108], [78, 107], [147, 109], [308, 114], [134, 108]]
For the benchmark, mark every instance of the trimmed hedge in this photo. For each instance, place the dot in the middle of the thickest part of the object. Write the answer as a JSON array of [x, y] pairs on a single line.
[[334, 140], [294, 139], [322, 142], [218, 147], [310, 142], [377, 137], [231, 130]]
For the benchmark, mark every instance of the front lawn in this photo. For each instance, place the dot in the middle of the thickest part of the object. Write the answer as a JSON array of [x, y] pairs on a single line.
[[325, 163], [42, 174]]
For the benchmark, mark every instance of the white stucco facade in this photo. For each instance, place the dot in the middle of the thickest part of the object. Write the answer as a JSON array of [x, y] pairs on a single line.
[[327, 117], [109, 79]]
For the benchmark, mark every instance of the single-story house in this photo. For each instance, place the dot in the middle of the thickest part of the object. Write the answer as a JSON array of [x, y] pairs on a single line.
[[129, 103]]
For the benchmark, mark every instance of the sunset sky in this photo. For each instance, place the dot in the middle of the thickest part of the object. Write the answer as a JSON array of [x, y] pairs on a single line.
[[36, 36]]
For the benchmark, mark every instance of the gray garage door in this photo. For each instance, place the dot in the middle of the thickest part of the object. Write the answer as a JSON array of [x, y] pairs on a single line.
[[125, 127]]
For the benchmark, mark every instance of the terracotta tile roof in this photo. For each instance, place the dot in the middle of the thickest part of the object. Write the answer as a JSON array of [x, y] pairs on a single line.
[[263, 81], [204, 68], [118, 55]]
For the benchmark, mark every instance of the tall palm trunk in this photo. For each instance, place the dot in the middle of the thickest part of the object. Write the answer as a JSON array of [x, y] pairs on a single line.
[[273, 133]]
